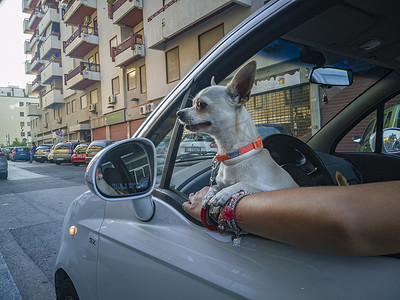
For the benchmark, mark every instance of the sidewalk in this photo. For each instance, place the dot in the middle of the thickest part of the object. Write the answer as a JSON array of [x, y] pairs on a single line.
[[8, 289]]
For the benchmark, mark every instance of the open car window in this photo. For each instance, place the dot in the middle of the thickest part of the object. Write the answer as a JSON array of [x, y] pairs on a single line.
[[282, 101]]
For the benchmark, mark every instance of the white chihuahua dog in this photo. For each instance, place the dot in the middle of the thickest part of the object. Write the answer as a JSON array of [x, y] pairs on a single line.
[[244, 164]]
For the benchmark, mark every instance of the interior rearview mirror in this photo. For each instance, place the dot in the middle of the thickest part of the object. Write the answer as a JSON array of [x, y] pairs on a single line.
[[331, 76]]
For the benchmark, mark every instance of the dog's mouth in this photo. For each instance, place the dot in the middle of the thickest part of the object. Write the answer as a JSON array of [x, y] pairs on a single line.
[[197, 127]]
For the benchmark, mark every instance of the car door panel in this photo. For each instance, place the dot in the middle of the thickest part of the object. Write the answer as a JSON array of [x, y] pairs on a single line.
[[196, 263], [373, 166]]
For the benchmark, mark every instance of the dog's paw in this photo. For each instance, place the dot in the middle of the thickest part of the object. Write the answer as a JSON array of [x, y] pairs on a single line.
[[220, 198], [207, 198]]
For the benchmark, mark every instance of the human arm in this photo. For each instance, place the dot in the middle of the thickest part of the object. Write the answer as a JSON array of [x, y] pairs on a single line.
[[352, 220]]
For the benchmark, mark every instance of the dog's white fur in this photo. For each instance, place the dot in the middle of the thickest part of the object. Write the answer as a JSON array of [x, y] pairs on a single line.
[[219, 111]]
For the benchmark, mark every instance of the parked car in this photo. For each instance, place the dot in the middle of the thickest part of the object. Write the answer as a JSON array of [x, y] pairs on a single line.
[[129, 236], [3, 165], [42, 152], [79, 155], [50, 157], [7, 151], [95, 147], [198, 143], [63, 152], [20, 153]]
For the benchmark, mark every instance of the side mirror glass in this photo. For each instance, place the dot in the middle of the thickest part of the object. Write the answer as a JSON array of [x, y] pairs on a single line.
[[391, 140], [331, 76], [125, 170]]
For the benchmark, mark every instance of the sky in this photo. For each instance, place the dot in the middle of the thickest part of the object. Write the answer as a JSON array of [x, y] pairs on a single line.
[[12, 37]]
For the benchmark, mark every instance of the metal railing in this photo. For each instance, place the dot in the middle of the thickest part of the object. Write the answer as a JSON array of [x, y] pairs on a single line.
[[79, 70], [78, 33], [130, 42]]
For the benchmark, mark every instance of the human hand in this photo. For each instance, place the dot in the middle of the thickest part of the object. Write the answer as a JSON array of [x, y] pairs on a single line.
[[193, 205]]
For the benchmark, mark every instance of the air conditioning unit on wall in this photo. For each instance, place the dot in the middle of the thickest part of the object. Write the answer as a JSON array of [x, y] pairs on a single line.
[[144, 110], [151, 106], [92, 107], [112, 99]]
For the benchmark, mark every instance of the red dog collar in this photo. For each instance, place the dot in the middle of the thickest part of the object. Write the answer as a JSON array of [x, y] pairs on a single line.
[[254, 145]]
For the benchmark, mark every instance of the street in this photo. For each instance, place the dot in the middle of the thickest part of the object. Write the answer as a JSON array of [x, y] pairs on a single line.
[[33, 203]]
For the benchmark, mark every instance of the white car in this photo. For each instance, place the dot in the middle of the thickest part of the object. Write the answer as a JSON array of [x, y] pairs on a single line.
[[128, 236], [197, 144]]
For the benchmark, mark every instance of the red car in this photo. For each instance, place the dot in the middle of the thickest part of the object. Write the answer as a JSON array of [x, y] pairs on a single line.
[[79, 155]]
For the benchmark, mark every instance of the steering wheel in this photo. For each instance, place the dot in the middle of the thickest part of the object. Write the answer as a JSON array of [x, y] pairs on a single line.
[[298, 159]]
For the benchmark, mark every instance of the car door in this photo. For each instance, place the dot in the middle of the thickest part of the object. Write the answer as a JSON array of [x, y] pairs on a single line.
[[171, 255]]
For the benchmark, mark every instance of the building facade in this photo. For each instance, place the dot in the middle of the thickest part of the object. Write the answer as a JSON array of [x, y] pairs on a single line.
[[102, 67], [15, 122]]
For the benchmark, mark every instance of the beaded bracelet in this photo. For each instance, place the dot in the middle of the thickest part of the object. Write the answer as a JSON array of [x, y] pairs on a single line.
[[227, 218]]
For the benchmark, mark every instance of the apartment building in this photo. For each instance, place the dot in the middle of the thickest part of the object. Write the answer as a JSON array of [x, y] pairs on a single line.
[[14, 120], [102, 67]]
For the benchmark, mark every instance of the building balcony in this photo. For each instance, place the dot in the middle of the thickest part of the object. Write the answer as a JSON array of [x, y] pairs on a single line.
[[126, 12], [51, 72], [37, 84], [27, 47], [36, 63], [28, 5], [77, 10], [51, 15], [128, 51], [30, 24], [28, 68], [81, 42], [33, 110], [53, 98], [79, 127], [163, 25], [34, 40], [82, 76], [51, 46], [28, 89]]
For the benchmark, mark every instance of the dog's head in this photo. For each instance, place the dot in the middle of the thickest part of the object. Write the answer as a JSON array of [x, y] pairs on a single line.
[[216, 107]]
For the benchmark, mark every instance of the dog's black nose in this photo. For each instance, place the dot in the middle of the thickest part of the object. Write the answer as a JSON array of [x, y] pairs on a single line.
[[178, 113]]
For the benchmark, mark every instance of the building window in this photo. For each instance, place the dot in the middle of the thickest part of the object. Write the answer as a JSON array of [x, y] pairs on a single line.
[[21, 104], [131, 79], [68, 108], [22, 133], [21, 114], [93, 97], [172, 63], [209, 38], [143, 83], [115, 86], [28, 124], [22, 124], [83, 101], [29, 133], [73, 104], [113, 43]]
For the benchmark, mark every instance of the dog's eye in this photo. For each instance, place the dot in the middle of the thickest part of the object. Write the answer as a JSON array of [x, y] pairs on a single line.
[[201, 105]]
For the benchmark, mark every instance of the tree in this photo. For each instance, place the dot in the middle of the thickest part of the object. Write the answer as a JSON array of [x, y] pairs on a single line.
[[16, 142]]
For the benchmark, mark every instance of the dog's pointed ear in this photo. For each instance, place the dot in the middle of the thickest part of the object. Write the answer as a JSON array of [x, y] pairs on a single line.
[[240, 87], [213, 81]]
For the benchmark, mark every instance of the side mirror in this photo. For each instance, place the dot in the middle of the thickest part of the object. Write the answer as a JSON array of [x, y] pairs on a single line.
[[125, 170], [391, 140], [331, 76]]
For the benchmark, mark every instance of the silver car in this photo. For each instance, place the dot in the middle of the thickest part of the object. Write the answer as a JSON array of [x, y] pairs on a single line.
[[3, 165], [128, 236]]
